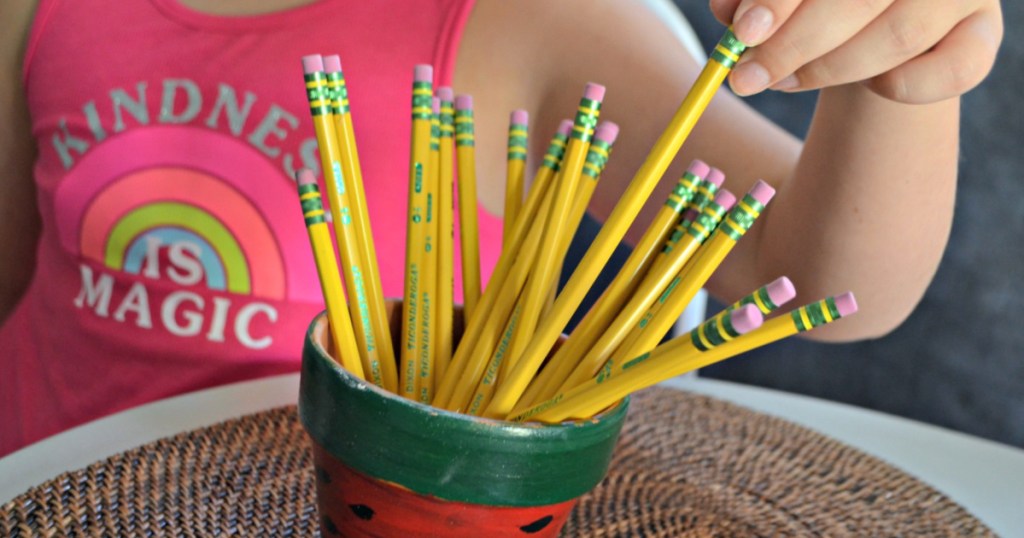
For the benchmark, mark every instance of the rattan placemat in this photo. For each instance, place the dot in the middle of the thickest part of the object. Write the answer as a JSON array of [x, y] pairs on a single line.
[[686, 465]]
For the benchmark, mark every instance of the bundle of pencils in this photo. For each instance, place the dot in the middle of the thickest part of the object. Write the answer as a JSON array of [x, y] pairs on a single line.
[[507, 364]]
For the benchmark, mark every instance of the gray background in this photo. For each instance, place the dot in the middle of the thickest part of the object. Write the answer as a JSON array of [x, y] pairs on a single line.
[[958, 362]]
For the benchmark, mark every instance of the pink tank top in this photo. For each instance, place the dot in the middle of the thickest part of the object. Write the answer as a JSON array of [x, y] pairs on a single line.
[[173, 254]]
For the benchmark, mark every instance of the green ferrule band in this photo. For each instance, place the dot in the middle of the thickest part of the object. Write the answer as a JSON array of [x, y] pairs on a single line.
[[728, 50], [464, 115], [706, 222], [712, 333], [308, 188], [424, 87], [766, 300], [463, 128], [516, 141], [422, 101], [435, 146], [675, 205], [311, 204], [317, 77], [815, 314], [316, 220], [517, 155]]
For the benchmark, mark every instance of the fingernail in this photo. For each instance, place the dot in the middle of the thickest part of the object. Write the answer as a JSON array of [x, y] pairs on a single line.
[[749, 78], [787, 83], [753, 26]]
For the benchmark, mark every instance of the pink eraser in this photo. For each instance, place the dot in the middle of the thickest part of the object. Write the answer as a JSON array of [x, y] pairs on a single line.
[[715, 176], [423, 73], [606, 132], [306, 177], [463, 102], [698, 168], [762, 192], [846, 304], [519, 117], [312, 63], [435, 105], [746, 318], [725, 199], [594, 92], [780, 291], [565, 127], [445, 93], [332, 63]]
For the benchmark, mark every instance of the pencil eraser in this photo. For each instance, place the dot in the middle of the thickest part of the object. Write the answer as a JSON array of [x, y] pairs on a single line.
[[565, 127], [715, 176], [746, 318], [519, 117], [698, 168], [725, 199], [312, 63], [606, 132], [594, 92], [423, 73], [762, 192], [305, 177], [846, 304], [780, 291], [435, 105], [445, 93], [463, 102], [332, 63]]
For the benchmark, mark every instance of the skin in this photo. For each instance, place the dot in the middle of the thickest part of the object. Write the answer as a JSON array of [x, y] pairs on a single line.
[[880, 156]]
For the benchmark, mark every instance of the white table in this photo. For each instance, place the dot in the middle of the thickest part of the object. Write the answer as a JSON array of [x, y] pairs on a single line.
[[985, 477]]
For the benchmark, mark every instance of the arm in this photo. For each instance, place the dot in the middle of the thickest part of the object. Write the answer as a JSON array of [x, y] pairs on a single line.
[[19, 228], [865, 204]]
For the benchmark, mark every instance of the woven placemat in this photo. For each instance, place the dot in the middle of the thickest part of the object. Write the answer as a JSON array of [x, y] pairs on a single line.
[[686, 465]]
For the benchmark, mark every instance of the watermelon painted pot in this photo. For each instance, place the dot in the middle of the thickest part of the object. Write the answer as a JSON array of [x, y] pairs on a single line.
[[388, 466]]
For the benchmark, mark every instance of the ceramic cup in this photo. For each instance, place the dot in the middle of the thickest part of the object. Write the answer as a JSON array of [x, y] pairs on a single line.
[[388, 466]]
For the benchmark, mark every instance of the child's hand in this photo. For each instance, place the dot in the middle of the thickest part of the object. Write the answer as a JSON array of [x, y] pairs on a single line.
[[910, 51]]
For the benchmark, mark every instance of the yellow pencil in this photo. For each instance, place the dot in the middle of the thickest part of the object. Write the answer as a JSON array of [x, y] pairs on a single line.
[[475, 325], [706, 191], [611, 301], [469, 236], [428, 276], [503, 316], [671, 359], [664, 150], [653, 289], [516, 165], [596, 159], [338, 320], [690, 279], [416, 229], [338, 195], [536, 289], [361, 219], [445, 235]]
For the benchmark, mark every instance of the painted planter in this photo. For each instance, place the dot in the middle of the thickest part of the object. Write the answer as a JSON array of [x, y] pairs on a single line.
[[388, 466]]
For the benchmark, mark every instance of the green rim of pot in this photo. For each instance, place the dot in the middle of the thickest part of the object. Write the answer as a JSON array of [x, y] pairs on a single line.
[[449, 455]]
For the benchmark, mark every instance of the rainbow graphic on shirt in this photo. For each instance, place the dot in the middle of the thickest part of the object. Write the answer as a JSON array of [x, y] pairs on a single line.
[[185, 209]]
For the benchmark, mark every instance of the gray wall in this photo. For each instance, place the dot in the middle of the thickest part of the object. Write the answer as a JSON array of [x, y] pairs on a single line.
[[958, 362]]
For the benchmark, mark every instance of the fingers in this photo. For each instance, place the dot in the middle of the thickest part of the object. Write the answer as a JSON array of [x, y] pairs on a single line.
[[756, 20], [958, 63], [904, 31], [811, 31]]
